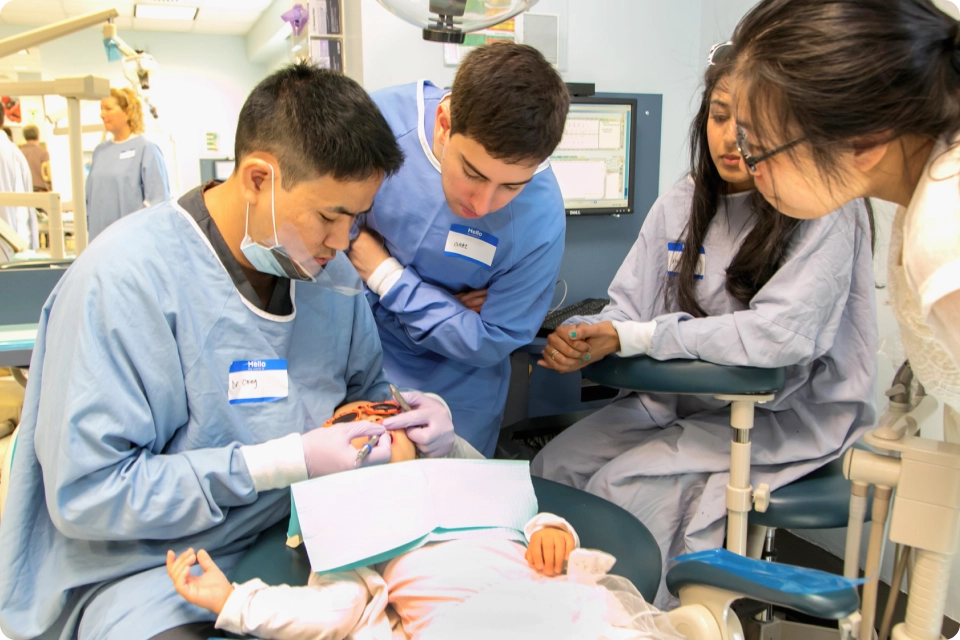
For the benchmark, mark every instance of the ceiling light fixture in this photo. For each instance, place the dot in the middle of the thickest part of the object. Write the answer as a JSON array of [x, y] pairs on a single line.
[[161, 12]]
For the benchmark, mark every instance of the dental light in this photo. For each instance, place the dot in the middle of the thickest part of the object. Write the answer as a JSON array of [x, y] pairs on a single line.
[[450, 20]]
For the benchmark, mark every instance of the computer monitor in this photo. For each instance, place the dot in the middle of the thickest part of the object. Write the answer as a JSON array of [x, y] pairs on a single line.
[[594, 162]]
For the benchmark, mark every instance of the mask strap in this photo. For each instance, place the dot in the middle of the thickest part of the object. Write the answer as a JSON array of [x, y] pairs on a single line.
[[273, 214], [246, 223]]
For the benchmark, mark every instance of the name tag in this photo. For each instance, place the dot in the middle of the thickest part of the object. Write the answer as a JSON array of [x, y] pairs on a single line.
[[674, 251], [257, 381], [471, 244], [129, 153]]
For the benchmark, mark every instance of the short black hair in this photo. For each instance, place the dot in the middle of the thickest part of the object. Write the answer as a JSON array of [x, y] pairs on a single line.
[[507, 97], [316, 122]]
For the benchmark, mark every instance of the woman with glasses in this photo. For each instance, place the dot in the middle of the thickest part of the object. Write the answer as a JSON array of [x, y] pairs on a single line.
[[863, 98], [718, 274]]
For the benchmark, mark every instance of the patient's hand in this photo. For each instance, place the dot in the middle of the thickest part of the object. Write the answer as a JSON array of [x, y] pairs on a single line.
[[549, 548], [210, 590]]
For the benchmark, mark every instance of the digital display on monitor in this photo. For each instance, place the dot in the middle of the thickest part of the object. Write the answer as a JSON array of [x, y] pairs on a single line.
[[594, 161], [222, 169]]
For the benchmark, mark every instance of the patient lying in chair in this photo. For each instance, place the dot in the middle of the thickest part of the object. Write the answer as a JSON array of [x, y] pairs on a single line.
[[443, 590]]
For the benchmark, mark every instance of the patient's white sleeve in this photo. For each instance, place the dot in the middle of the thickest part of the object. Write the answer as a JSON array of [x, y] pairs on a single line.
[[543, 520], [330, 608]]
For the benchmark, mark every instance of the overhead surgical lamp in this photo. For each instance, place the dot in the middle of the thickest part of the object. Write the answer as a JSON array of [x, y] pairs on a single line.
[[137, 65], [450, 20]]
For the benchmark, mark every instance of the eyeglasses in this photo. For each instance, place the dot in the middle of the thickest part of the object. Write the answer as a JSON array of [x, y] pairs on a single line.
[[720, 52], [751, 160], [373, 412]]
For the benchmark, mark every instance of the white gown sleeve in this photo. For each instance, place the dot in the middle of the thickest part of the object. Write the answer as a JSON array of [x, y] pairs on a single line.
[[544, 520], [329, 608]]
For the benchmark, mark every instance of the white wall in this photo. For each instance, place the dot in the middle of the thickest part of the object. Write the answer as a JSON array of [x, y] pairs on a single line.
[[630, 46], [199, 88]]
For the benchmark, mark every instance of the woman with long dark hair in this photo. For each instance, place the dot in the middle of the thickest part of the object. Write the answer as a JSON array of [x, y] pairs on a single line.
[[718, 274], [840, 99]]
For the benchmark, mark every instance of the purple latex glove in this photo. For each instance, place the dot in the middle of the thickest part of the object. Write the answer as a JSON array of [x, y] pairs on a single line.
[[328, 450], [435, 439]]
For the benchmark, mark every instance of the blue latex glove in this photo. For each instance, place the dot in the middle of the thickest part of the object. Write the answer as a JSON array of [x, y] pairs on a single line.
[[435, 438], [328, 450]]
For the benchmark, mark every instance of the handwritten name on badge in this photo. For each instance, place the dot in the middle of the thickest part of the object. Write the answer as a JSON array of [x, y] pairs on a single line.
[[674, 251], [471, 244], [252, 381]]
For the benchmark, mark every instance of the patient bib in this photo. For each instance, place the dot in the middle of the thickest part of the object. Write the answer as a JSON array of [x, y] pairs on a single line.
[[674, 251], [471, 244], [351, 519], [253, 381]]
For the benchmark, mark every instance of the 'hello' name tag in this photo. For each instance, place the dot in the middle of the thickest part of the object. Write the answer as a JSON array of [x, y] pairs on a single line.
[[471, 244], [129, 153], [257, 381], [674, 251]]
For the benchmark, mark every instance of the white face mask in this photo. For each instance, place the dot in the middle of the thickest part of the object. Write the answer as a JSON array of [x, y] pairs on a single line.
[[291, 259]]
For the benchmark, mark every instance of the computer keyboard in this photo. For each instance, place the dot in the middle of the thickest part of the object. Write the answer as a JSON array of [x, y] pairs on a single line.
[[588, 307]]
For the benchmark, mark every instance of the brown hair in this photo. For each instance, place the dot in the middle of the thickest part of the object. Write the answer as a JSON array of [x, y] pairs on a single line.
[[31, 132], [508, 98], [764, 248], [316, 122], [130, 103]]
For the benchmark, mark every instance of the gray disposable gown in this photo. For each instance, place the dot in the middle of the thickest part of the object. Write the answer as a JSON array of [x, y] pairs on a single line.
[[666, 458]]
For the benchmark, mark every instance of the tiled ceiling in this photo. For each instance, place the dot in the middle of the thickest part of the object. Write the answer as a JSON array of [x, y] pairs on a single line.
[[214, 16]]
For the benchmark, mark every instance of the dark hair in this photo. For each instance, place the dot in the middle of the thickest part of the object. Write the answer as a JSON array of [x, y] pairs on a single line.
[[763, 250], [316, 122], [508, 98], [838, 70], [31, 132]]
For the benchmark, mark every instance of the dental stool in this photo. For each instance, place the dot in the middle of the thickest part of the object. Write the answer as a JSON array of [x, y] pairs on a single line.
[[600, 525]]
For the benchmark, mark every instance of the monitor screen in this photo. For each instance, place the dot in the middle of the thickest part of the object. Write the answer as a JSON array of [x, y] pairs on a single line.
[[222, 169], [594, 161]]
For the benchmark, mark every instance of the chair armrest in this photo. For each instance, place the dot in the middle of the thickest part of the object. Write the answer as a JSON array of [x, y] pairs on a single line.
[[832, 605], [643, 373]]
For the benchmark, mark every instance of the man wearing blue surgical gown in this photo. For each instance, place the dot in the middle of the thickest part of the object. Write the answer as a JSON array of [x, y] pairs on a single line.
[[472, 228], [183, 366]]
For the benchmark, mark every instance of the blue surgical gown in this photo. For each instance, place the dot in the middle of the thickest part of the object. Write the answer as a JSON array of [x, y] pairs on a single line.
[[124, 177], [128, 445], [430, 340]]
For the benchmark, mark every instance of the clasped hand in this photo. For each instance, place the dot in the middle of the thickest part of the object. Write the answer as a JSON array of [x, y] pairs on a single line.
[[574, 346], [367, 253]]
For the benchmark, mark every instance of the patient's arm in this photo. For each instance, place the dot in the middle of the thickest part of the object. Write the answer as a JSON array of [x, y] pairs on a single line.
[[330, 608]]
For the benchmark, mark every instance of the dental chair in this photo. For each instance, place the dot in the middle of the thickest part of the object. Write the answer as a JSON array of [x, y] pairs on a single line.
[[819, 500], [705, 591]]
